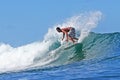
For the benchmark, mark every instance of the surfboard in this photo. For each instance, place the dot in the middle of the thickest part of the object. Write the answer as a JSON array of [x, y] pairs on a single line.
[[72, 46]]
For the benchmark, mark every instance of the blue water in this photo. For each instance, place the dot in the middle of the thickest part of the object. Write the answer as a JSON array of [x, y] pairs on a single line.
[[104, 70], [96, 58]]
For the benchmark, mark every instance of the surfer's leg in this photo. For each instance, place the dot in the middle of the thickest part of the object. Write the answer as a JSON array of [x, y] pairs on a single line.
[[70, 38], [72, 35], [76, 38]]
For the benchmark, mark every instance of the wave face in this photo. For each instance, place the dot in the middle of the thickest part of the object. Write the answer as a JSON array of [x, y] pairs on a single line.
[[51, 51], [101, 46]]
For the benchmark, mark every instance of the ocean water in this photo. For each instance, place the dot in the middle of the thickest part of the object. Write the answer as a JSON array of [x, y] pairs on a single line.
[[95, 57]]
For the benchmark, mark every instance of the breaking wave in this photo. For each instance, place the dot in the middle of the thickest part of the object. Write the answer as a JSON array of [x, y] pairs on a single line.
[[51, 51]]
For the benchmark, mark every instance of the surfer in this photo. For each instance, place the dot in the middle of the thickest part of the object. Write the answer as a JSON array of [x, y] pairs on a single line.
[[69, 32]]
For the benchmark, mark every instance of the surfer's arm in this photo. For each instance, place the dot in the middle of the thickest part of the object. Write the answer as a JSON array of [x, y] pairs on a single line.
[[67, 36], [63, 36], [65, 33]]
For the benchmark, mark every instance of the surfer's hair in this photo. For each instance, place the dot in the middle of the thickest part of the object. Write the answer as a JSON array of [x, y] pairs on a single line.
[[58, 29]]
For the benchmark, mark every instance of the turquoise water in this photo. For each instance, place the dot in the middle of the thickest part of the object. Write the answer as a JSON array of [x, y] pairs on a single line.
[[96, 58]]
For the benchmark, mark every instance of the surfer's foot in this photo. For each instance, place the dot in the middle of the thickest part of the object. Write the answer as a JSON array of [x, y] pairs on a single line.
[[75, 42]]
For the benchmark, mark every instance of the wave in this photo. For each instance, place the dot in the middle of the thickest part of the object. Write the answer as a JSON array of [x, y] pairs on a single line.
[[99, 46], [51, 51]]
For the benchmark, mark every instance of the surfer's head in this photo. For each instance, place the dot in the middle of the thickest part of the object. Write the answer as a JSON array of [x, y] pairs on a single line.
[[58, 29]]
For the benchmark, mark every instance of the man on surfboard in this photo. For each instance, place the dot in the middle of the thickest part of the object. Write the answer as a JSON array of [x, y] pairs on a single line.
[[69, 32]]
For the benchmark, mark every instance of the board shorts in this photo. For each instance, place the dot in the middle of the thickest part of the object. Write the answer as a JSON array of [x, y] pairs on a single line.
[[72, 33]]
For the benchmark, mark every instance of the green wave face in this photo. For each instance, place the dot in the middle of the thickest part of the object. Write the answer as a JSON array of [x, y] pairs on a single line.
[[97, 46]]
